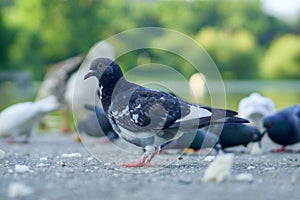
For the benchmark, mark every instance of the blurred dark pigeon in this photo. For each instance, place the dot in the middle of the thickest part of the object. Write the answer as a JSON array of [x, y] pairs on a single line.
[[96, 124], [145, 117], [236, 134], [231, 135], [283, 127], [195, 140]]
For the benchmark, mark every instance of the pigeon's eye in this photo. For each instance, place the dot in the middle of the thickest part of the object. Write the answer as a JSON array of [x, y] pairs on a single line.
[[100, 65]]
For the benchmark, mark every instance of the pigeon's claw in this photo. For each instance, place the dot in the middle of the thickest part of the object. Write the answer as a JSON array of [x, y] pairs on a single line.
[[281, 149], [145, 159], [137, 164]]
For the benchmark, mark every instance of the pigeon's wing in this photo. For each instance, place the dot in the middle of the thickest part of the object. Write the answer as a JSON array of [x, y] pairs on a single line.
[[201, 116], [147, 109]]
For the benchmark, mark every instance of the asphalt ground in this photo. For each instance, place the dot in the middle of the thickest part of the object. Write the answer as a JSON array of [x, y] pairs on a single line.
[[55, 166]]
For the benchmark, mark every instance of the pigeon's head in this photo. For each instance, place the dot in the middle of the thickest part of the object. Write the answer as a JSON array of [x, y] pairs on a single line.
[[104, 69], [276, 123], [255, 135]]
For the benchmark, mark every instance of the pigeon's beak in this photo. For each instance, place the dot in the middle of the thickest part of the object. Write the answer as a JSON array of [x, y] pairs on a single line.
[[89, 74]]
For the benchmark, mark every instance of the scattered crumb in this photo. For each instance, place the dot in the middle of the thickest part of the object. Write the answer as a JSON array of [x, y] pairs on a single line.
[[2, 154], [209, 158], [43, 159], [18, 190], [63, 164], [220, 169], [42, 165], [107, 164], [22, 168], [269, 168], [250, 167], [77, 138], [256, 149], [71, 155], [90, 158], [188, 151], [247, 177]]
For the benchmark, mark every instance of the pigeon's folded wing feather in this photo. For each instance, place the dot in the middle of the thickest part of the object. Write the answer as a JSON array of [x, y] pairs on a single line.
[[149, 109]]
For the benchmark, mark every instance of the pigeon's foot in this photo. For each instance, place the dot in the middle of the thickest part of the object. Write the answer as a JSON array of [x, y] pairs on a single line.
[[11, 140], [146, 158], [138, 164], [65, 123], [281, 149], [15, 141]]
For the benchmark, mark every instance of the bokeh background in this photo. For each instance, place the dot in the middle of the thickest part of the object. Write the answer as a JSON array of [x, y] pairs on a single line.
[[254, 43]]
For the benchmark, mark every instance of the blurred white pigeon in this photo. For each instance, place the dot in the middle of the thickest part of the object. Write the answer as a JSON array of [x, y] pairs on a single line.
[[255, 108], [22, 119]]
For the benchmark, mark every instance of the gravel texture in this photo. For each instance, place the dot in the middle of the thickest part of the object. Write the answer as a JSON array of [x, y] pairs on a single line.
[[60, 168]]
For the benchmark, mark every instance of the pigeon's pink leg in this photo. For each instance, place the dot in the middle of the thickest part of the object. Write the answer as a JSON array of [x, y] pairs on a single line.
[[11, 140], [140, 163], [281, 149], [146, 158], [65, 128], [148, 162]]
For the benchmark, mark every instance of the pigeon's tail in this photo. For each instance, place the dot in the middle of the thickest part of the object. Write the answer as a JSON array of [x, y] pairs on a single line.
[[221, 112], [89, 107], [48, 104], [198, 123], [94, 108]]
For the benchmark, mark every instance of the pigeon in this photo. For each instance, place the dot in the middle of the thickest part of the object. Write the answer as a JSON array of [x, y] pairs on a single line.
[[235, 134], [55, 83], [21, 119], [62, 78], [255, 108], [283, 127], [194, 140], [96, 124], [220, 137], [145, 117]]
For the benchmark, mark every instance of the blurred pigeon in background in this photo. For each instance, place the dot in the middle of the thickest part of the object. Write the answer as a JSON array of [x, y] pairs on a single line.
[[195, 140], [62, 78], [22, 119], [255, 108], [55, 84], [96, 124], [235, 134], [86, 91], [283, 127], [148, 118], [220, 137]]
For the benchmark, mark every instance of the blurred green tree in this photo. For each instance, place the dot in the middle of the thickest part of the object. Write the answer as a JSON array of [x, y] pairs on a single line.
[[234, 52], [6, 36], [48, 31], [282, 60]]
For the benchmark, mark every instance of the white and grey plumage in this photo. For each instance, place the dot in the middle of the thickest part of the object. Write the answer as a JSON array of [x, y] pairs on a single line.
[[63, 77], [22, 118], [145, 117], [255, 108]]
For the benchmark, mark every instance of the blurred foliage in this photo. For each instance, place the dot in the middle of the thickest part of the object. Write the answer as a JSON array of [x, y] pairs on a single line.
[[282, 60], [235, 52], [36, 33]]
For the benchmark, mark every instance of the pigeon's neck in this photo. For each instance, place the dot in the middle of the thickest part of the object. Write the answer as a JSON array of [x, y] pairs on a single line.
[[110, 88]]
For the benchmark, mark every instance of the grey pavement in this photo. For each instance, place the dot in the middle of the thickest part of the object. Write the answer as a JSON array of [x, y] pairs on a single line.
[[61, 168]]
